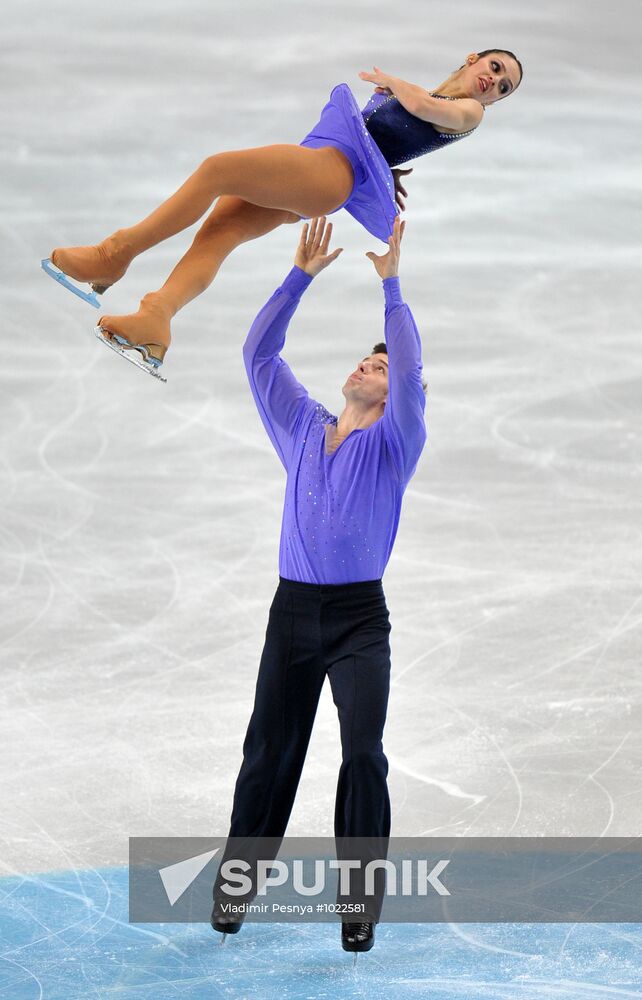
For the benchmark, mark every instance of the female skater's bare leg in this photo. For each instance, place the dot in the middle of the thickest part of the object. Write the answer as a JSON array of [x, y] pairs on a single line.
[[292, 178], [232, 222]]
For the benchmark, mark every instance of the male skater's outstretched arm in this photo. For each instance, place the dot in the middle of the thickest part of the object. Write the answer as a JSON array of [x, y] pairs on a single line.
[[280, 399]]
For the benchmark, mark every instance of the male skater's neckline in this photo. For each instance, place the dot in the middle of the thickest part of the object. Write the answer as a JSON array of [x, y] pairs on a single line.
[[330, 448]]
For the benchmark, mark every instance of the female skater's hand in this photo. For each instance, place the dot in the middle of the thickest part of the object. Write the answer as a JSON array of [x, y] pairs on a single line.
[[312, 252], [399, 188], [381, 79], [387, 266]]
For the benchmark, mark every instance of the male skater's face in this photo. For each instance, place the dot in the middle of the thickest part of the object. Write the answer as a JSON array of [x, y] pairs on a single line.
[[369, 381]]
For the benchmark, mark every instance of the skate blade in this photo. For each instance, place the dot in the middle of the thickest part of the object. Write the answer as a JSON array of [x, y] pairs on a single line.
[[60, 276], [130, 354]]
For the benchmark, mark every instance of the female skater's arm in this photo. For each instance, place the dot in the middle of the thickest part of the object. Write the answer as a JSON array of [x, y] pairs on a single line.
[[460, 115]]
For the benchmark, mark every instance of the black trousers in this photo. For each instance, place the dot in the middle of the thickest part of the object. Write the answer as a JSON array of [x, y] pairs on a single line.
[[314, 630]]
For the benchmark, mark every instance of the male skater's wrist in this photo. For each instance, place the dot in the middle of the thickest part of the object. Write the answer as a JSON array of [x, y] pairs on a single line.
[[392, 290], [296, 282]]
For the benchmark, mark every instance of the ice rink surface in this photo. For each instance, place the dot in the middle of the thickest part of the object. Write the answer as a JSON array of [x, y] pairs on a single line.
[[139, 522]]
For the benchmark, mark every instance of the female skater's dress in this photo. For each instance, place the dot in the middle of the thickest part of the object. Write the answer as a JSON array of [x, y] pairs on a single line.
[[381, 136]]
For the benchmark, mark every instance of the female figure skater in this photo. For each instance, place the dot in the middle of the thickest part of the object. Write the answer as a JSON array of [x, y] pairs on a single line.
[[344, 162]]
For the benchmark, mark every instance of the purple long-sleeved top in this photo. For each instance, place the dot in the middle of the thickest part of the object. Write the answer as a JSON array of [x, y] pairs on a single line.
[[341, 510]]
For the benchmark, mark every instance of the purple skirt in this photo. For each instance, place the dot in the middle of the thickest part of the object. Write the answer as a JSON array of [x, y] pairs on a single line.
[[372, 199]]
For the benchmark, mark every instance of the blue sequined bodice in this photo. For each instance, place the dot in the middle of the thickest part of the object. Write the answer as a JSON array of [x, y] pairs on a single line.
[[399, 135]]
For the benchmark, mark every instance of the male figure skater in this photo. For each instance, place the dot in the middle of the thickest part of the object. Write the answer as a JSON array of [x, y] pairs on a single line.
[[345, 482]]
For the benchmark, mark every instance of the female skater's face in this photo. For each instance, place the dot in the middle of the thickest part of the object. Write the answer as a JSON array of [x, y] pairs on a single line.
[[369, 381], [490, 78]]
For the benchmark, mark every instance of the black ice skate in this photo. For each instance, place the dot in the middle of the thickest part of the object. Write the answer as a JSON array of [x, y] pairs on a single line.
[[357, 937], [225, 923]]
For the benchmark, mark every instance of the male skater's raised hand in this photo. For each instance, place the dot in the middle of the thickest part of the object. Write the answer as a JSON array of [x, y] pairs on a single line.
[[312, 252], [387, 265]]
